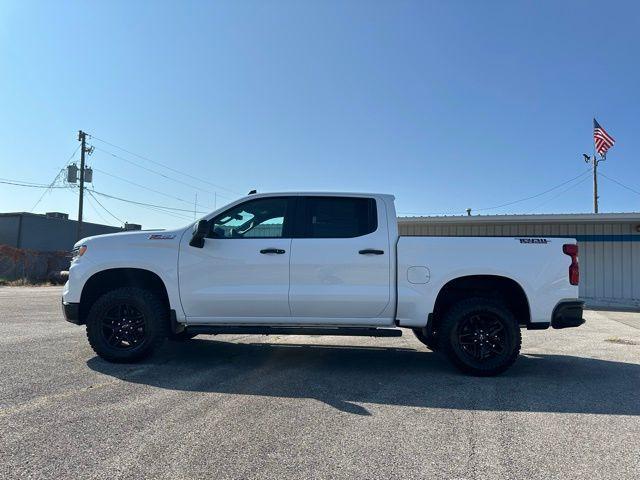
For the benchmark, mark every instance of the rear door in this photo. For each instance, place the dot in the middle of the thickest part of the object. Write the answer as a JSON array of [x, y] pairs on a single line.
[[340, 261]]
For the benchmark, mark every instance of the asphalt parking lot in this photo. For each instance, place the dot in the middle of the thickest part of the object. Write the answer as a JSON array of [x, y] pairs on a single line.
[[313, 407]]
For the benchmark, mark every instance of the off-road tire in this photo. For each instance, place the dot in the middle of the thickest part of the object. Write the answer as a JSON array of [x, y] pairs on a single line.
[[455, 325], [154, 319]]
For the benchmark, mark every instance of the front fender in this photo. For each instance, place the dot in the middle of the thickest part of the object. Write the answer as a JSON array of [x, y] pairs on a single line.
[[160, 258]]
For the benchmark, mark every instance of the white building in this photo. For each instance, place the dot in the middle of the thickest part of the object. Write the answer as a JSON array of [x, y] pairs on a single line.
[[609, 245]]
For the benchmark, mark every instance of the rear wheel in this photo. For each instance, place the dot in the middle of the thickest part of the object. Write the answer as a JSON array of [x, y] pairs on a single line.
[[127, 324], [480, 336]]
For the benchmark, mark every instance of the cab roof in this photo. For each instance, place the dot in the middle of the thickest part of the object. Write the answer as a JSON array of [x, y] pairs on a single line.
[[323, 194]]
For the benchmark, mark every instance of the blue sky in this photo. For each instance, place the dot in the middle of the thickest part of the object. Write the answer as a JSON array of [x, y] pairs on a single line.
[[447, 105]]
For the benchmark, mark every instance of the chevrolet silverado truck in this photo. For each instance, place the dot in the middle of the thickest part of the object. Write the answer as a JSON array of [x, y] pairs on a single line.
[[320, 264]]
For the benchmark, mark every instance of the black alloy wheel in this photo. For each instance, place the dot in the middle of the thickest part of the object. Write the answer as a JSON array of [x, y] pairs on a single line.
[[482, 336], [123, 326]]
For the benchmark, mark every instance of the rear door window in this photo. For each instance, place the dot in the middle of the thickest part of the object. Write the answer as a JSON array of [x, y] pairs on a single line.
[[338, 217]]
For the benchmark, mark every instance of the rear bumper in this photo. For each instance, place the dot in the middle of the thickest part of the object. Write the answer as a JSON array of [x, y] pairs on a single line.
[[71, 312], [568, 314]]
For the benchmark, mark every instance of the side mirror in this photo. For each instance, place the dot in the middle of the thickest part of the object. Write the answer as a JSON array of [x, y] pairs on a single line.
[[201, 231]]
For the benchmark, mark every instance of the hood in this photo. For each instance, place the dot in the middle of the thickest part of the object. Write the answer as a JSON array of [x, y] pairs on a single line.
[[134, 237]]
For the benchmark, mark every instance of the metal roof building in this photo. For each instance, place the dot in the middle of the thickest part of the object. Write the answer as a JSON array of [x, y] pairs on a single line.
[[609, 245], [35, 246], [53, 231]]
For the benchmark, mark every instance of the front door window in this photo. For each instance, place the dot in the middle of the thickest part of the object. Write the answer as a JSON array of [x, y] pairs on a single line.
[[262, 218]]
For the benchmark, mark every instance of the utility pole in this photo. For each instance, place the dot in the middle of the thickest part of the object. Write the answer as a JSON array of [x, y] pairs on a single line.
[[594, 161], [82, 137]]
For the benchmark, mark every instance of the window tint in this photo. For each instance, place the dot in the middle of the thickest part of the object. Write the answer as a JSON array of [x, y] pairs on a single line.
[[262, 218], [339, 217]]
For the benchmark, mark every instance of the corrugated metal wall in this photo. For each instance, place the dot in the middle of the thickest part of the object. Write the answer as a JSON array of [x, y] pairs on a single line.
[[609, 252], [37, 232]]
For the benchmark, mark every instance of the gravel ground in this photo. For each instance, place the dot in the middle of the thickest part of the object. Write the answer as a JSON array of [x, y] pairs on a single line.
[[313, 407]]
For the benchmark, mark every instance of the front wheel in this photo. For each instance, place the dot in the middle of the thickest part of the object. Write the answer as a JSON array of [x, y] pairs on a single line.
[[480, 336], [127, 324]]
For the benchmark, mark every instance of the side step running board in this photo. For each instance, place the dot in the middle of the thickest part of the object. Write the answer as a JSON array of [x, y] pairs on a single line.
[[260, 330]]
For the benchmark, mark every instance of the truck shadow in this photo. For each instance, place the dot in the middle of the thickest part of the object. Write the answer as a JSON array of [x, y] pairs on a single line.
[[347, 376]]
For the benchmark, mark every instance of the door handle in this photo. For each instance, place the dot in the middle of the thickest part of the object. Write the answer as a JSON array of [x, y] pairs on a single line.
[[371, 251], [279, 251]]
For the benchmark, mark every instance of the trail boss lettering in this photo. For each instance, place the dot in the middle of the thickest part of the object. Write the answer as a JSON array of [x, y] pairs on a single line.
[[534, 240]]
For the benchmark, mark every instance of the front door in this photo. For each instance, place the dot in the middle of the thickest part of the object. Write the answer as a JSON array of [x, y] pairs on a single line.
[[340, 262], [241, 275]]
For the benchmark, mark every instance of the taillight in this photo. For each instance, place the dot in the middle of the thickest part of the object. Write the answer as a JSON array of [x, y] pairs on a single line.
[[574, 269]]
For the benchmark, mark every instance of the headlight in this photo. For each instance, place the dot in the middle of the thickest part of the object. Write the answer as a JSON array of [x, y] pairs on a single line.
[[77, 252]]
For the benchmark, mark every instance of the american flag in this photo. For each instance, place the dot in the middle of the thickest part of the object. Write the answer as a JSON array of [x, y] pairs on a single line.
[[603, 140]]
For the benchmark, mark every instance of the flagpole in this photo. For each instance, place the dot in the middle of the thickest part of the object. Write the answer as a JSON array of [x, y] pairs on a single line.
[[602, 141], [595, 175], [595, 184]]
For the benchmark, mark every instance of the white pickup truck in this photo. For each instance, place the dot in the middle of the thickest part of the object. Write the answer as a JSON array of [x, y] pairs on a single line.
[[320, 264]]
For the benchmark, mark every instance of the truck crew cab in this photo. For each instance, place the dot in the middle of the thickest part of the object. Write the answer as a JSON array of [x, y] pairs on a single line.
[[320, 263]]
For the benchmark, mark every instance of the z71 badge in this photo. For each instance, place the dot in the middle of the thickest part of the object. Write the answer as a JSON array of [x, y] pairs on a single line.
[[533, 240], [161, 236]]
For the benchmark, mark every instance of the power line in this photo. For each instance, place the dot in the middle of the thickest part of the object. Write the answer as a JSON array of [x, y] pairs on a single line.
[[190, 185], [153, 209], [23, 182], [148, 206], [142, 186], [18, 183], [620, 183], [55, 179], [165, 166], [162, 207], [157, 210], [97, 212], [533, 196], [181, 216], [90, 200], [560, 194], [103, 207], [508, 203]]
